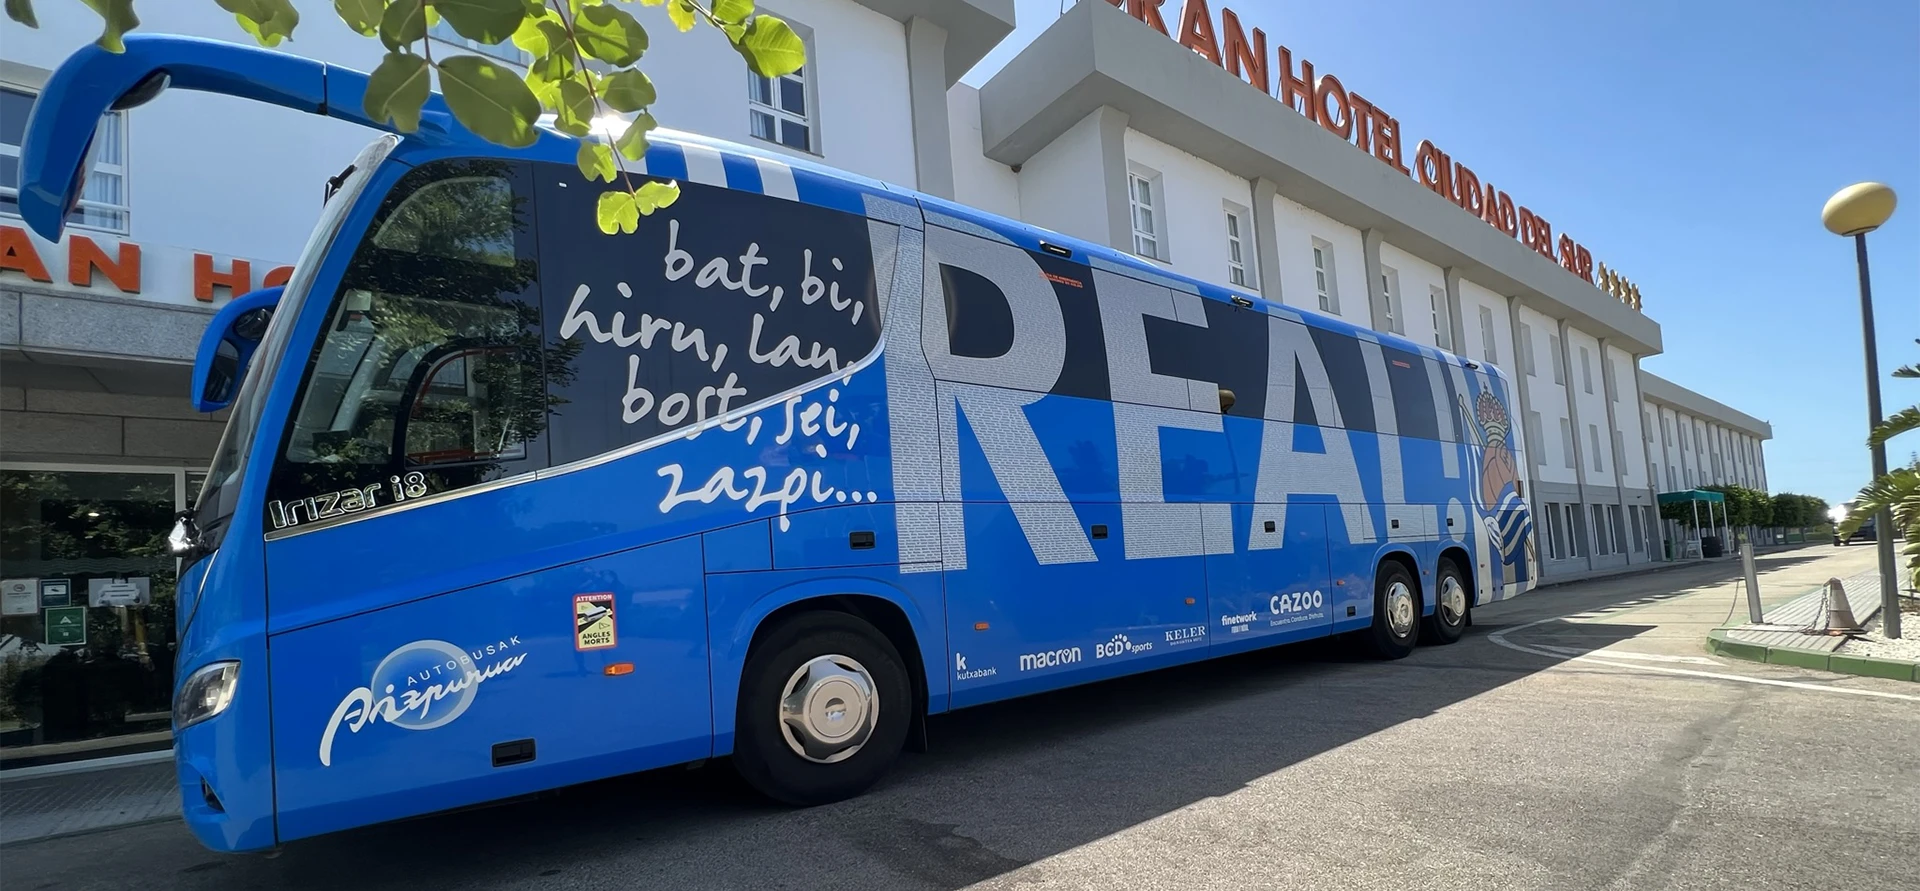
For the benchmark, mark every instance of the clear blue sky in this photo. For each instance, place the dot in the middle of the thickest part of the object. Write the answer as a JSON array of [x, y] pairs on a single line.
[[1691, 146]]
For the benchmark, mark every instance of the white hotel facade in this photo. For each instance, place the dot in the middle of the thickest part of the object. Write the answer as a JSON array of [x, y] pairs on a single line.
[[1101, 128]]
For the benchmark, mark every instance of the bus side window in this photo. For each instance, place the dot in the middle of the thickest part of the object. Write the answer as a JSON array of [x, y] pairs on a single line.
[[431, 360]]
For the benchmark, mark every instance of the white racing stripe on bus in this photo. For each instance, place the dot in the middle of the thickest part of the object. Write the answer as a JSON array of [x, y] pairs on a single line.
[[776, 179], [704, 167]]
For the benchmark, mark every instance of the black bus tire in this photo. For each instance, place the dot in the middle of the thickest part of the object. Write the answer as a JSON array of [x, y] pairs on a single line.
[[843, 655], [1452, 606], [1393, 632]]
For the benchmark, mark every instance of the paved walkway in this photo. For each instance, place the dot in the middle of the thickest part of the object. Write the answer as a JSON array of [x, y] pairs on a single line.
[[43, 805], [1801, 623]]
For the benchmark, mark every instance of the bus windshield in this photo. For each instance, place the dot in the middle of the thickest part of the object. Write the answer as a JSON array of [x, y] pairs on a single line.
[[220, 493]]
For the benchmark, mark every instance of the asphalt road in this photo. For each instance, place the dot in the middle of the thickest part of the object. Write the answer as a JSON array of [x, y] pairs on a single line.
[[1507, 761]]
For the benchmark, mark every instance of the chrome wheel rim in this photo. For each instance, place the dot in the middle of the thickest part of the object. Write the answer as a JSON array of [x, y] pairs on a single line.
[[1400, 609], [1453, 601], [829, 709]]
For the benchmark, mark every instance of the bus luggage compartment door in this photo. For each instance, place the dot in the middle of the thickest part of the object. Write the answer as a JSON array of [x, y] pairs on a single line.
[[398, 711]]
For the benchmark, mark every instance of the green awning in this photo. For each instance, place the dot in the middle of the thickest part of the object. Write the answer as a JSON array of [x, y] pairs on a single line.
[[1690, 495]]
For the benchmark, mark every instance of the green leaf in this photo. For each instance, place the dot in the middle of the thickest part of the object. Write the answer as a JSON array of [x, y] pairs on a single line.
[[595, 160], [651, 2], [397, 89], [632, 143], [361, 15], [733, 10], [546, 74], [119, 19], [270, 21], [1902, 421], [488, 21], [628, 90], [22, 11], [682, 14], [404, 22], [490, 99], [610, 35], [617, 212], [656, 195], [543, 35], [771, 48], [575, 111]]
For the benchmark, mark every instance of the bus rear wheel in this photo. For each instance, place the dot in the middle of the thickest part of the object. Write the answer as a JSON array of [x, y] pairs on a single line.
[[1452, 605], [824, 707], [1396, 613]]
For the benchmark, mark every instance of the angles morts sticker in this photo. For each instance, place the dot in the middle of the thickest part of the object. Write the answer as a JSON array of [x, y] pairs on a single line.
[[593, 621]]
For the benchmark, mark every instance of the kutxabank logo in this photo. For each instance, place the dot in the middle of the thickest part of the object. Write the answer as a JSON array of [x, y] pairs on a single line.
[[423, 685]]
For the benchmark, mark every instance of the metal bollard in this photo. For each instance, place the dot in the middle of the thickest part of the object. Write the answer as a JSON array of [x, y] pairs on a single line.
[[1753, 582]]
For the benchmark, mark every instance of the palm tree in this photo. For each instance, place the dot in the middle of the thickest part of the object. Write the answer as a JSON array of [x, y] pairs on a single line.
[[1898, 491]]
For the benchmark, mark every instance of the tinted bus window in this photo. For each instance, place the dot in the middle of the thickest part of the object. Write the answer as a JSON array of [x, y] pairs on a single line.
[[428, 375], [722, 300]]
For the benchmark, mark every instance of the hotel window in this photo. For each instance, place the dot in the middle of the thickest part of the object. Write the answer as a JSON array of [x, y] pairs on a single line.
[[1526, 350], [1619, 449], [1533, 443], [1575, 532], [1390, 298], [103, 202], [1555, 533], [1586, 370], [1559, 366], [1489, 346], [1593, 431], [1618, 528], [1672, 484], [1442, 323], [1143, 190], [1666, 432], [1323, 283], [781, 110], [1236, 247], [505, 50], [1566, 441], [1600, 541]]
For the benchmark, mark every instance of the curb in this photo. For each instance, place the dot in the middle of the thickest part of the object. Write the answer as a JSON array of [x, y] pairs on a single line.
[[1839, 663]]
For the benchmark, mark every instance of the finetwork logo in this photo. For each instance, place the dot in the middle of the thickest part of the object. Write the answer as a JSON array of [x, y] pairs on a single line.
[[1189, 634], [1119, 646], [961, 673], [1239, 623], [1049, 658]]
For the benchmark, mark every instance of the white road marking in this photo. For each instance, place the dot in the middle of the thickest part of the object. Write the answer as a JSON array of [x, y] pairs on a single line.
[[1642, 657], [1500, 637]]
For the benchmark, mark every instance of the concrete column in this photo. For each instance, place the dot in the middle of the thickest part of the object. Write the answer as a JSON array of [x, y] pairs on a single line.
[[1454, 315], [1266, 250], [1112, 124], [1609, 388], [1658, 533], [1523, 384], [1370, 241], [927, 90], [1579, 446]]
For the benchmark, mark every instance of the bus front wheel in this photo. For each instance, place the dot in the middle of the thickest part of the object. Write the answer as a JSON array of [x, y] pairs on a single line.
[[825, 703], [1396, 613]]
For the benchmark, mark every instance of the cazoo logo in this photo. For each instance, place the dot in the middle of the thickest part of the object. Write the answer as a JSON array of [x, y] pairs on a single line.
[[1119, 646], [1049, 658]]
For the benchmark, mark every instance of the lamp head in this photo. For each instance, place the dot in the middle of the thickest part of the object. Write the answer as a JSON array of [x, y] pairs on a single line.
[[1857, 209]]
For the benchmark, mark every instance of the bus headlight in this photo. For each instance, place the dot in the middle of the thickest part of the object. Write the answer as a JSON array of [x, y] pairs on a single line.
[[206, 693]]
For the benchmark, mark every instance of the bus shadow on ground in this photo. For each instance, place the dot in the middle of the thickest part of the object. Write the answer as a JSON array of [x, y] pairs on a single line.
[[1002, 786]]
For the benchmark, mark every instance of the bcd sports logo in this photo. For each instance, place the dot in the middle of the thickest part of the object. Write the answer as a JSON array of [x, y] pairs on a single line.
[[424, 684], [1119, 646]]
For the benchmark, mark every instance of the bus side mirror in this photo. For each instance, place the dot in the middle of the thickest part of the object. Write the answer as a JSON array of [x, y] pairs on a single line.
[[228, 344]]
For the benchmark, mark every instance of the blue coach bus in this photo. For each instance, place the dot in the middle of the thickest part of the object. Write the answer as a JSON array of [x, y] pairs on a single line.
[[506, 504]]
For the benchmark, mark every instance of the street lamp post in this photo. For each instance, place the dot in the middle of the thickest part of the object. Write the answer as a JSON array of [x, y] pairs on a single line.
[[1854, 211]]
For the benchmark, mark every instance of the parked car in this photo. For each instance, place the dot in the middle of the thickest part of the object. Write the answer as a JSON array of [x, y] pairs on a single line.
[[1866, 532]]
